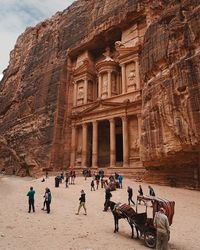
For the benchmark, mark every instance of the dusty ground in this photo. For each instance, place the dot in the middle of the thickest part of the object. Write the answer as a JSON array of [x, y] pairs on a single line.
[[63, 230]]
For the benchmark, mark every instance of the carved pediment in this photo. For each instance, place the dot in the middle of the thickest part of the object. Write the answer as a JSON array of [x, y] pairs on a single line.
[[126, 51], [101, 105], [85, 68]]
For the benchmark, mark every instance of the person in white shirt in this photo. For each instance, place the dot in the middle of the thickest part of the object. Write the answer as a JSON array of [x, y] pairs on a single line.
[[161, 224]]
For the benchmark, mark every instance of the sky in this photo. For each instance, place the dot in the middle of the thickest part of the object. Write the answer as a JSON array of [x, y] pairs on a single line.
[[17, 15]]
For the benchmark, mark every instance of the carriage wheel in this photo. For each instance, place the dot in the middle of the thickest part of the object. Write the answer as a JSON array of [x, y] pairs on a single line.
[[150, 239]]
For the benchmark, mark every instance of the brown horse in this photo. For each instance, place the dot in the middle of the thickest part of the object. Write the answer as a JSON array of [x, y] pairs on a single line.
[[124, 211]]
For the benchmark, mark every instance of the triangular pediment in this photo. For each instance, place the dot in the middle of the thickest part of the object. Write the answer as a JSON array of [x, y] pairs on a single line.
[[126, 51], [101, 105], [85, 67]]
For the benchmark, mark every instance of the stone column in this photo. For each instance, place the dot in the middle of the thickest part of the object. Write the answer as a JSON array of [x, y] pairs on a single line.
[[109, 83], [73, 146], [85, 91], [112, 143], [137, 74], [99, 85], [125, 141], [95, 144], [75, 94], [123, 78], [139, 132], [84, 143]]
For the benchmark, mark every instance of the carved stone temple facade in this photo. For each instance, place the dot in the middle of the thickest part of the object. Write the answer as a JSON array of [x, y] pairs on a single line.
[[111, 84], [106, 113]]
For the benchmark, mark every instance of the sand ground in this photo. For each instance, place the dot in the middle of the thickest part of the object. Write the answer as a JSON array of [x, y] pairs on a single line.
[[63, 230]]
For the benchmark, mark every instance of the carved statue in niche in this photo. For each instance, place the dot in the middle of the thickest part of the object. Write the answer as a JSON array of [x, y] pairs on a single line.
[[90, 90], [114, 84], [80, 92], [135, 145], [105, 86], [131, 79], [79, 150]]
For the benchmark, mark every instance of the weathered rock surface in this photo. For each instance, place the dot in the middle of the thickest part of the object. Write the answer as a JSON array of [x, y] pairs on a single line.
[[36, 97], [171, 95]]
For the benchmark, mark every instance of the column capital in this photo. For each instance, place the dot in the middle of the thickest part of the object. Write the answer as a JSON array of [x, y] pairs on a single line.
[[122, 64], [111, 120], [94, 122], [124, 118], [73, 125], [139, 116]]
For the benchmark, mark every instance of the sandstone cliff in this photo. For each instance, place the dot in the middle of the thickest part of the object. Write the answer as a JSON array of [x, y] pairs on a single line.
[[36, 97], [171, 95], [34, 110]]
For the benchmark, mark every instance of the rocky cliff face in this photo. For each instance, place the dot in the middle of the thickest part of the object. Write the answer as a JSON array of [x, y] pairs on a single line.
[[36, 97], [171, 94]]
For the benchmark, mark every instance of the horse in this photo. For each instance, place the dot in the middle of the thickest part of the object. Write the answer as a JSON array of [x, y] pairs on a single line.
[[124, 211]]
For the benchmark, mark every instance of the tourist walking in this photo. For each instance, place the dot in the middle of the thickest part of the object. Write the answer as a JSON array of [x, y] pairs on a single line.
[[44, 203], [61, 177], [66, 180], [92, 185], [31, 195], [47, 175], [151, 191], [161, 224], [108, 195], [72, 177], [48, 198], [140, 191], [130, 195], [120, 178], [97, 184], [82, 202]]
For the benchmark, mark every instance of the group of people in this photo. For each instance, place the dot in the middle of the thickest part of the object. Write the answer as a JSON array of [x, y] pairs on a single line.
[[31, 200], [161, 222], [69, 178], [140, 193]]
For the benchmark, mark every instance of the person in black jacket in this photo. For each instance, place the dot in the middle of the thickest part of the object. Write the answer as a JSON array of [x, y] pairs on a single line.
[[130, 195], [108, 195], [151, 191], [48, 199], [82, 202]]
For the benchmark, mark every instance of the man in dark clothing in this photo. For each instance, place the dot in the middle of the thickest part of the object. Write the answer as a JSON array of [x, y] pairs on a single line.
[[92, 185], [130, 195], [48, 199], [82, 202], [30, 195], [108, 195], [151, 191]]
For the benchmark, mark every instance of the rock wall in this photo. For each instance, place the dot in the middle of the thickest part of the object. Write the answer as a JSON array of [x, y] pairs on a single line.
[[171, 95], [35, 94], [36, 91]]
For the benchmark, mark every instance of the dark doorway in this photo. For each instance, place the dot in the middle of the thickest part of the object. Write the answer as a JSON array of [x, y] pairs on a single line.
[[104, 144], [89, 145], [119, 141], [119, 148]]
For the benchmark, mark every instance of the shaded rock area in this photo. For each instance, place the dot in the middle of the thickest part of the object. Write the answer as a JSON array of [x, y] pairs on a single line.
[[36, 91], [171, 96]]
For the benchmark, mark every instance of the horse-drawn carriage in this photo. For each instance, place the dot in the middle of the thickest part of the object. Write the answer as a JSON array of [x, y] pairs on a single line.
[[142, 222], [146, 227]]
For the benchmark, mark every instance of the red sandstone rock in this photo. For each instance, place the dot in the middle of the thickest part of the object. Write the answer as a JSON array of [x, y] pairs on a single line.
[[36, 94]]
